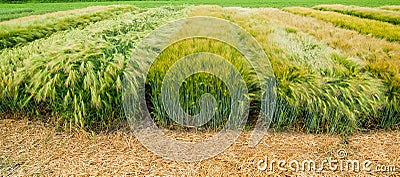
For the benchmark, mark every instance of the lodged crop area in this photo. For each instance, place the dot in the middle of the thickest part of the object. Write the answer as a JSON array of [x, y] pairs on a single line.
[[24, 30], [76, 75], [336, 67]]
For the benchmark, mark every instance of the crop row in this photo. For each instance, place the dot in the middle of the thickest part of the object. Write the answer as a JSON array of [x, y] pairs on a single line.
[[11, 13], [365, 26], [76, 75], [381, 56], [24, 30], [363, 12], [193, 87], [15, 11], [394, 8], [378, 57], [319, 89]]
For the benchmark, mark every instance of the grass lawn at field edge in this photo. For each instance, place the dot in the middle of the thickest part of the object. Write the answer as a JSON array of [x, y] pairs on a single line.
[[50, 7]]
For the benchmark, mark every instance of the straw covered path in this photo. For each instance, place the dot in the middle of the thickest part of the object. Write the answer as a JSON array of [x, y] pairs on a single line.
[[34, 148]]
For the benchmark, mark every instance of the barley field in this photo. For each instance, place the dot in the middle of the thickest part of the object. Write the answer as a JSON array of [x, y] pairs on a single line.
[[337, 72]]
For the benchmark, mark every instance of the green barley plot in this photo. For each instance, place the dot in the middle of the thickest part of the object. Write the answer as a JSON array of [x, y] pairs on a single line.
[[22, 31], [76, 75]]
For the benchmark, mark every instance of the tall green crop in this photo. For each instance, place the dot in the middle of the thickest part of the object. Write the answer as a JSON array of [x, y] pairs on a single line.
[[76, 75]]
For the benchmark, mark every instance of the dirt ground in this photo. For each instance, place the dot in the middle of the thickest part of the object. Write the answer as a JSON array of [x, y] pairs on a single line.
[[31, 148]]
